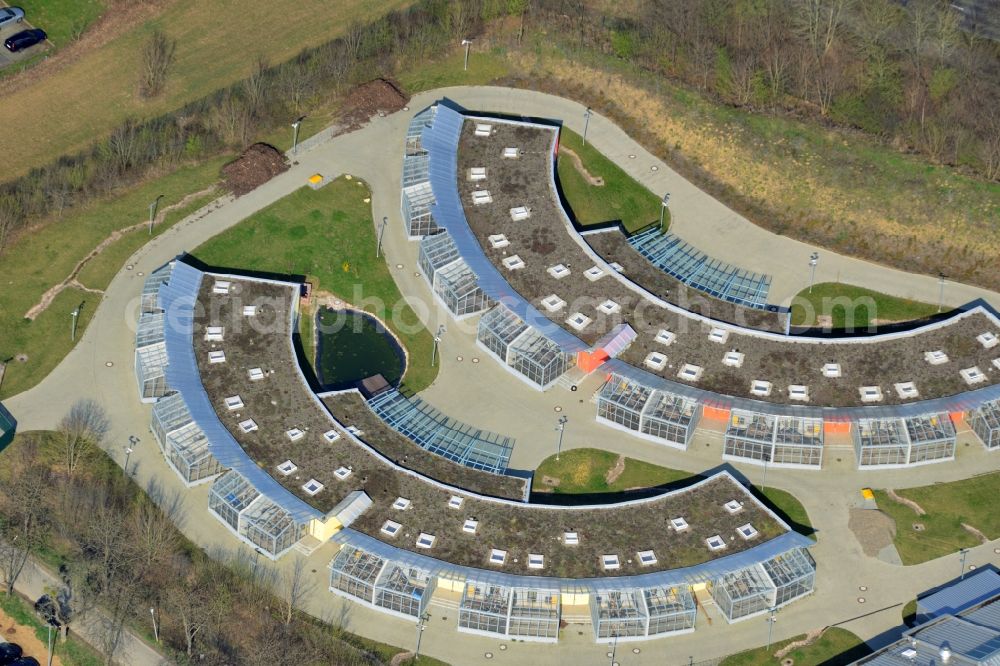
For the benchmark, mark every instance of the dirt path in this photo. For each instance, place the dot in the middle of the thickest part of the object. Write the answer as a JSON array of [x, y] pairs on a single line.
[[810, 638], [71, 281], [596, 181], [976, 533], [12, 632], [919, 510], [616, 471]]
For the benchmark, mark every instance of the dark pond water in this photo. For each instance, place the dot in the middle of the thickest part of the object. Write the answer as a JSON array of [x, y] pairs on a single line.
[[351, 346]]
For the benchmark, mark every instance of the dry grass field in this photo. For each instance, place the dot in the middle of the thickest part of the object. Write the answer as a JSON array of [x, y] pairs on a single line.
[[62, 109]]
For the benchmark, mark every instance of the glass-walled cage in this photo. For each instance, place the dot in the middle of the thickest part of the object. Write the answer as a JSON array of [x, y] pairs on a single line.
[[618, 614], [485, 608], [986, 424], [655, 413], [182, 442], [458, 288], [354, 572], [750, 436], [417, 197], [231, 494], [798, 441], [670, 609], [416, 208], [404, 589], [793, 574], [151, 358], [415, 131], [269, 527], [436, 252], [498, 328], [149, 303], [932, 438], [534, 614], [622, 401], [538, 359], [761, 587]]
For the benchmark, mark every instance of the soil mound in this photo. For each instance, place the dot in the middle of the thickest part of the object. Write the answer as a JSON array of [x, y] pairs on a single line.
[[258, 164], [376, 96]]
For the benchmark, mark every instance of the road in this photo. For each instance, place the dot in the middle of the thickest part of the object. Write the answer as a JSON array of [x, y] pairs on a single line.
[[100, 367]]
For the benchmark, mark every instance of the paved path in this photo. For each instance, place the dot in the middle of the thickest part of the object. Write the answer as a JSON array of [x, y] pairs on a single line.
[[101, 367]]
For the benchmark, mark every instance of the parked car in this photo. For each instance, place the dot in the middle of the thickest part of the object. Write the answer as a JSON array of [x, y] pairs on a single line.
[[10, 16], [24, 39]]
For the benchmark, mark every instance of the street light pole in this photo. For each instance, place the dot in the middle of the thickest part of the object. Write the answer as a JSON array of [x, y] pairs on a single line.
[[940, 291], [128, 454], [421, 627], [295, 136], [614, 647], [813, 260], [72, 333], [963, 553], [156, 630], [561, 428], [437, 341], [467, 43], [152, 211], [663, 209], [770, 626], [586, 124], [381, 230]]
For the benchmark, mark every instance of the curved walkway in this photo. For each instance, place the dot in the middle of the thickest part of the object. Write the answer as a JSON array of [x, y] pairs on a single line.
[[100, 367]]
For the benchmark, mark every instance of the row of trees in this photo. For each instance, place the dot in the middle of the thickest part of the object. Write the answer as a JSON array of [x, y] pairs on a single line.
[[122, 555]]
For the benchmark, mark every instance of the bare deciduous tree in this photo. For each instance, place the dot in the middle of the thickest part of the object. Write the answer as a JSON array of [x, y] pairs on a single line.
[[295, 586], [157, 57], [81, 431]]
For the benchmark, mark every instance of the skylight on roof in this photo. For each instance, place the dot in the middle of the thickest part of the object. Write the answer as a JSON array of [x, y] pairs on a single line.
[[511, 153], [646, 558], [477, 173], [481, 197], [665, 337], [558, 271], [498, 241], [715, 543], [249, 425], [426, 540], [390, 528], [256, 374], [798, 392], [312, 487], [870, 393], [733, 506], [342, 473], [719, 335], [746, 531], [609, 307], [536, 561], [513, 262], [594, 273], [733, 359], [579, 321], [497, 556], [484, 129], [831, 370], [988, 339], [287, 467], [610, 562], [936, 357], [331, 436], [214, 333], [221, 287], [760, 388], [553, 303], [295, 434], [401, 504], [679, 524], [455, 502], [356, 431], [571, 538], [234, 402], [972, 375], [216, 356], [906, 390], [690, 372], [617, 267], [249, 310], [519, 213], [656, 360], [470, 525]]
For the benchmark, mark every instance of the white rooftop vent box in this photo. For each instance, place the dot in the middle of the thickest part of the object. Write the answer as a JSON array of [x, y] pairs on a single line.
[[294, 434], [426, 540], [665, 337], [936, 357], [610, 562], [747, 531], [558, 271], [511, 153], [287, 467], [480, 197], [255, 374], [656, 360], [390, 528], [609, 307], [798, 392], [455, 502], [513, 262], [355, 430], [248, 425], [498, 557], [831, 370], [761, 388], [679, 524], [733, 506], [536, 561], [214, 333], [996, 363], [988, 340], [342, 473], [719, 335], [477, 173], [470, 525], [594, 273], [617, 267], [908, 653], [647, 558], [312, 487], [519, 213], [716, 543], [484, 129], [331, 436], [401, 504], [571, 538], [870, 393], [234, 402], [579, 321], [553, 303], [972, 375], [498, 241], [249, 310], [906, 390], [221, 287], [733, 359], [216, 356], [691, 373]]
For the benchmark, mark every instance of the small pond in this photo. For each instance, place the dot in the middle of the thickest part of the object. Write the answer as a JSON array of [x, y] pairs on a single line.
[[353, 345]]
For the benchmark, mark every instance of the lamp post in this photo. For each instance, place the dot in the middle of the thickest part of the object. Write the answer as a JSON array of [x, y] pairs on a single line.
[[963, 553], [614, 646], [381, 231], [467, 43], [156, 629], [663, 209], [152, 211], [421, 627], [72, 332], [813, 260], [561, 427], [940, 291], [48, 625], [770, 625], [437, 341], [586, 124], [295, 136], [128, 454]]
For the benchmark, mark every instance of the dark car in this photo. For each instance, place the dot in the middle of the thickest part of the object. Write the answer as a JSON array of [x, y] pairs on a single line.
[[24, 39]]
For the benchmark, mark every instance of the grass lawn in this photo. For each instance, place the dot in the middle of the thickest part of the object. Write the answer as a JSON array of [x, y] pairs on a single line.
[[948, 505], [620, 198], [218, 41], [836, 646], [62, 20], [47, 256], [328, 236], [845, 302]]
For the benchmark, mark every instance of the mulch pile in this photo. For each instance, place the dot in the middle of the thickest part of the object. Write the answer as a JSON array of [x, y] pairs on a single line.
[[368, 99], [258, 164]]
